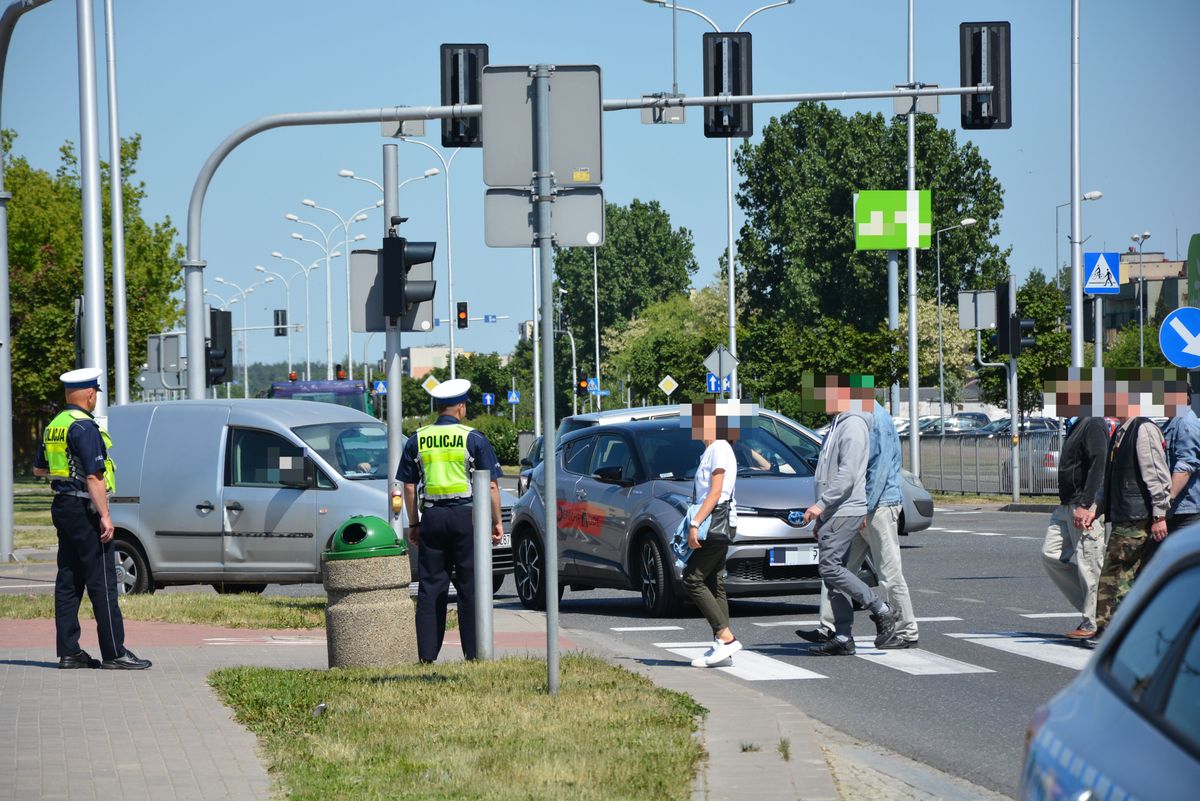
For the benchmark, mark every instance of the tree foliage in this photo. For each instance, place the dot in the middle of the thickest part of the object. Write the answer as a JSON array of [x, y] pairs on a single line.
[[46, 274]]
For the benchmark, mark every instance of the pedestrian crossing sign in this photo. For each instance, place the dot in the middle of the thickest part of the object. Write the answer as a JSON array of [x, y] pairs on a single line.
[[1103, 271]]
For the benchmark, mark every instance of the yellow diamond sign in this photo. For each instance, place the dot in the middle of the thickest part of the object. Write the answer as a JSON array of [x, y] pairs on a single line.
[[668, 385], [430, 384]]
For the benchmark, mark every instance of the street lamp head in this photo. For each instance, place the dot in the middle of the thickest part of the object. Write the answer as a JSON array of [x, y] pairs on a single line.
[[297, 236], [345, 173], [432, 171], [275, 254], [359, 238], [656, 2], [335, 254], [258, 268], [1145, 235], [312, 204], [291, 218], [231, 301], [967, 222], [379, 203], [269, 279], [219, 280], [360, 217], [1095, 194]]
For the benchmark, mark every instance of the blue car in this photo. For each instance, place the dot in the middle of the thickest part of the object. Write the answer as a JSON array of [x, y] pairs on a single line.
[[1128, 726]]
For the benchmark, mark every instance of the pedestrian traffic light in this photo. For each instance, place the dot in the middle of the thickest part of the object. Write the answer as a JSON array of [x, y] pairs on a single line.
[[727, 66], [462, 82], [984, 58], [581, 384], [461, 318], [218, 353], [400, 295]]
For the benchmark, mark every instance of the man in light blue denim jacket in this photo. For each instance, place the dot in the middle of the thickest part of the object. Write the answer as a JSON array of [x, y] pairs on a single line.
[[880, 535], [1183, 457]]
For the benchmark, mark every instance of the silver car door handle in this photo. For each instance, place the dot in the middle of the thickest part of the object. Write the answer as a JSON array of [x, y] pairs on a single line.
[[205, 507], [234, 507]]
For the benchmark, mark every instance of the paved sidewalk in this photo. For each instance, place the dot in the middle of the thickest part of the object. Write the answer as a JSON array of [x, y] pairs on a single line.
[[162, 734]]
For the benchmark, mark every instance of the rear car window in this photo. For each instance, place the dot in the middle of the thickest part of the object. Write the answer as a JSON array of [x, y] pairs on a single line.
[[1182, 709], [577, 454], [1150, 637]]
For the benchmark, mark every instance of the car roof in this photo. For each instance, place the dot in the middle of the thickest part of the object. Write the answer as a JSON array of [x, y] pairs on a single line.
[[265, 412], [632, 426]]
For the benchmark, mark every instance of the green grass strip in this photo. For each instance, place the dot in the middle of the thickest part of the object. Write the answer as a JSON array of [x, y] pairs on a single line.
[[482, 730], [207, 608]]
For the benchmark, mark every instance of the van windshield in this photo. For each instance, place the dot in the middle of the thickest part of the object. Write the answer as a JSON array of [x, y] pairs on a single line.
[[356, 450]]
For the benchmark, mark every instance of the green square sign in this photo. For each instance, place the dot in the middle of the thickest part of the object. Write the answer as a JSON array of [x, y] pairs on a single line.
[[881, 219]]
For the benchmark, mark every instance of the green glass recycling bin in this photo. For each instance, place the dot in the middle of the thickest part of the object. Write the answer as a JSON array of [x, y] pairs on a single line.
[[364, 537]]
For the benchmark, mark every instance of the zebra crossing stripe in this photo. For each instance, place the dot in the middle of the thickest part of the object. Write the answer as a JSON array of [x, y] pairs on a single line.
[[773, 623], [914, 661], [747, 665], [647, 628], [987, 533], [1044, 649], [1037, 615]]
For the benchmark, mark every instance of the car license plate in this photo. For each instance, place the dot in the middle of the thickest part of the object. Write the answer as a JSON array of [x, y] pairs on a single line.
[[505, 540], [788, 555]]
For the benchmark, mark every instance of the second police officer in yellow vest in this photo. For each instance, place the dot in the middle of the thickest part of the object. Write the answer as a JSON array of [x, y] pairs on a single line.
[[439, 460]]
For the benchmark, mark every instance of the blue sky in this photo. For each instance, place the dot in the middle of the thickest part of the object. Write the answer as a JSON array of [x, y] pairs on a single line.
[[191, 73]]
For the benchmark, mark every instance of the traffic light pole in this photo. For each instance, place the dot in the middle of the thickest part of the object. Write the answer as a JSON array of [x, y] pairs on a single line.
[[1014, 406], [395, 405], [914, 383]]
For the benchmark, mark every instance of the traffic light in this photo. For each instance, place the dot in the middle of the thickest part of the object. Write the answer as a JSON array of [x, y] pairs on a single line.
[[218, 355], [984, 58], [727, 65], [461, 318], [581, 384], [1012, 332], [462, 76], [400, 295], [281, 322]]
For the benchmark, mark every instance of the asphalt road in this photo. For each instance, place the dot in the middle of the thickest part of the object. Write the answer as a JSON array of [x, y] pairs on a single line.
[[960, 703]]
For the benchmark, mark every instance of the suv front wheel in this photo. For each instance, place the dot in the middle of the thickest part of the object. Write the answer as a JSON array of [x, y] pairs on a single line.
[[659, 598]]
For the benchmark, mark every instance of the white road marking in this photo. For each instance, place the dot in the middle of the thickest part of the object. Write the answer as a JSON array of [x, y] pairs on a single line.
[[936, 619], [914, 661], [935, 528], [988, 534], [1044, 649], [814, 621], [958, 531], [1022, 537], [267, 640], [960, 514], [1051, 614], [646, 628], [969, 600], [44, 585], [926, 591], [747, 665]]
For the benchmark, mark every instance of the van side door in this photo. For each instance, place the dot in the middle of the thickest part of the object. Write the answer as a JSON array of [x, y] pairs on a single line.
[[270, 508]]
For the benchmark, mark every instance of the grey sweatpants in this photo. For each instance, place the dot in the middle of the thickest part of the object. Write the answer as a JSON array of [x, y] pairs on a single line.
[[834, 539]]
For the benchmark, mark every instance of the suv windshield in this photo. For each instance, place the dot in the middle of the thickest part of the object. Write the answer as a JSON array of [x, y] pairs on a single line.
[[671, 453], [356, 450]]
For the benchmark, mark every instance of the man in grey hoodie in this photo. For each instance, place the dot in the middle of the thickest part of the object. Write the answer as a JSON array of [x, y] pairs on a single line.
[[841, 508]]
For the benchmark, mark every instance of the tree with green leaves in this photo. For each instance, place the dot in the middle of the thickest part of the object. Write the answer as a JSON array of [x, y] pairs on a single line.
[[46, 274]]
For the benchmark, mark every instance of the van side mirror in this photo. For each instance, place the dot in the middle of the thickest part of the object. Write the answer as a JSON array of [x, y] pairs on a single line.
[[526, 462]]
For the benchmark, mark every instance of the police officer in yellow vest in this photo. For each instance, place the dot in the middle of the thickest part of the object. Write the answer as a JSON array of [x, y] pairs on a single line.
[[440, 459], [75, 455]]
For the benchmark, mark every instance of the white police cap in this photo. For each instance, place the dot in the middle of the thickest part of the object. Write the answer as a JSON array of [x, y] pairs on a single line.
[[449, 393], [83, 378]]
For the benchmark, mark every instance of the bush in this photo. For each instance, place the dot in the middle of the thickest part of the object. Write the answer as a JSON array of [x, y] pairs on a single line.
[[502, 433]]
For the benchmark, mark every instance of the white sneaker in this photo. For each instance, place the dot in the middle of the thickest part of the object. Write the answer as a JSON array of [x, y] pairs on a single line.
[[721, 656], [702, 660]]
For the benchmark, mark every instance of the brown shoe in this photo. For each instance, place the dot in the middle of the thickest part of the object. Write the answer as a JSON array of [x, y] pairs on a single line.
[[1083, 631]]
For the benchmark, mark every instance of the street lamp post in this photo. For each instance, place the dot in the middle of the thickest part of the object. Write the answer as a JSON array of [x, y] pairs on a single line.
[[574, 368], [287, 302], [596, 321], [325, 248], [967, 222], [1093, 195], [245, 327], [729, 258], [1141, 301], [446, 164], [307, 318]]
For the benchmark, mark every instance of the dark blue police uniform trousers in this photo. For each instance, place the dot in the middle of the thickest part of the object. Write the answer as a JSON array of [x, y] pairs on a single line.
[[446, 543], [83, 561]]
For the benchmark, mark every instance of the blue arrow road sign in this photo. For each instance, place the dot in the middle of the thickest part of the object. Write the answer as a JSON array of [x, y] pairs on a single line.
[[1102, 273], [713, 385], [1179, 337], [380, 387], [514, 396], [489, 399]]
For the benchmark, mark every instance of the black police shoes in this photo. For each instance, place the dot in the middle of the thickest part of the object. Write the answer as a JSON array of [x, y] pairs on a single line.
[[126, 661], [834, 647], [77, 661]]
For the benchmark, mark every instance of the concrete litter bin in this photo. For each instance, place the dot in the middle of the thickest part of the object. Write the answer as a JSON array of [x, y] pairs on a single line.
[[370, 620]]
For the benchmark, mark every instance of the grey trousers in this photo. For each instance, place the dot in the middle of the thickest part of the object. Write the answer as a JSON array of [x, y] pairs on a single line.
[[834, 539]]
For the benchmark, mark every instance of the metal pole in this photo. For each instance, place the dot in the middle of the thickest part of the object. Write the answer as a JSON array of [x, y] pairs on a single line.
[[117, 218], [1098, 322], [1141, 301], [287, 310], [733, 377], [574, 370], [1076, 201], [307, 329], [349, 327], [395, 411], [674, 48], [328, 313], [481, 517], [941, 364], [513, 406], [893, 262], [537, 384], [450, 264], [1014, 406], [914, 438], [94, 341], [596, 313], [542, 194], [245, 346]]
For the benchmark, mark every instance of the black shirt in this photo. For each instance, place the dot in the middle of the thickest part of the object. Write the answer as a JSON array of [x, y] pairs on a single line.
[[1081, 463]]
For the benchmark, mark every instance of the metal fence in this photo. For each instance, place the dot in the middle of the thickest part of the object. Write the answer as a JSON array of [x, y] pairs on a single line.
[[982, 465]]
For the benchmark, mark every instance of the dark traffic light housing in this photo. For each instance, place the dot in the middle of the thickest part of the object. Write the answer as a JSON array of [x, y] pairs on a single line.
[[1013, 333], [218, 352], [462, 83], [984, 50], [581, 384], [727, 68], [400, 295], [461, 317]]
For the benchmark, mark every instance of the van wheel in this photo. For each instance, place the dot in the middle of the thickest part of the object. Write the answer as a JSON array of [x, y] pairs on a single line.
[[529, 572], [133, 574], [238, 589], [659, 598]]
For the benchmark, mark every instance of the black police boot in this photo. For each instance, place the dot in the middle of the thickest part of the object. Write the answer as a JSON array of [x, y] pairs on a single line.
[[126, 661], [77, 661]]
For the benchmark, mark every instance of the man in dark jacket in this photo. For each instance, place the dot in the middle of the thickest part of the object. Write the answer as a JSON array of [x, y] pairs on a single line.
[[1073, 551]]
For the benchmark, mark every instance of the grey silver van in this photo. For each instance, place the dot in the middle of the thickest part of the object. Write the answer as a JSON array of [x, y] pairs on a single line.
[[240, 493]]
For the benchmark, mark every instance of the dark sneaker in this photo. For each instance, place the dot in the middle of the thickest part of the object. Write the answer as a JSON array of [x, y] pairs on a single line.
[[77, 661], [885, 625], [126, 661], [818, 635], [834, 646], [895, 643]]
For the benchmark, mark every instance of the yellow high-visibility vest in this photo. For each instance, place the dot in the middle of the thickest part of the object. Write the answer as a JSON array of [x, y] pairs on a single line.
[[62, 462], [445, 462]]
